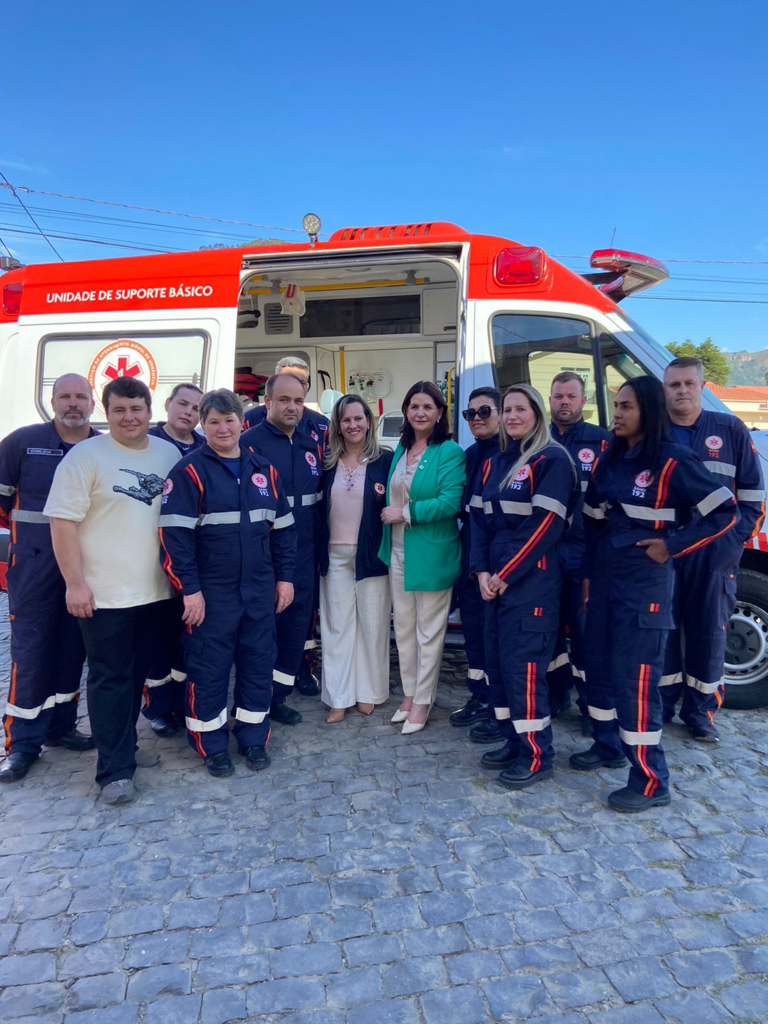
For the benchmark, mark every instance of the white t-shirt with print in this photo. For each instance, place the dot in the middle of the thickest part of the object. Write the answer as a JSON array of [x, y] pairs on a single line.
[[114, 494]]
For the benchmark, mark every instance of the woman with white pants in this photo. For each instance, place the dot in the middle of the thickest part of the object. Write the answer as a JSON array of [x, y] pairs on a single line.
[[355, 599]]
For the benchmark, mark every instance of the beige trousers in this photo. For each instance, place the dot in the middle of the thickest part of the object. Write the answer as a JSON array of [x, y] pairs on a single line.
[[354, 621], [421, 619]]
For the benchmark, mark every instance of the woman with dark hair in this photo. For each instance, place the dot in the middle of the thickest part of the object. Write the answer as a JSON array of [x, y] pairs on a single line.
[[527, 494], [354, 585], [421, 544], [648, 501]]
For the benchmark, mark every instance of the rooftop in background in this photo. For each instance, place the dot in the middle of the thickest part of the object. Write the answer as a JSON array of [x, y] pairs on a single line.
[[739, 393]]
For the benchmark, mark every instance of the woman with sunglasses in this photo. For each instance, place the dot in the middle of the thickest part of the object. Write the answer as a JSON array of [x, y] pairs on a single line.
[[528, 492], [421, 544], [482, 415], [648, 501], [354, 583]]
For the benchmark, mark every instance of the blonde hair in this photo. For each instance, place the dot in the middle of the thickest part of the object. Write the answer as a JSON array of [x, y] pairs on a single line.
[[538, 439], [334, 451]]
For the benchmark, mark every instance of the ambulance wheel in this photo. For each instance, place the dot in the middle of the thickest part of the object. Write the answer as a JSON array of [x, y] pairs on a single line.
[[746, 654]]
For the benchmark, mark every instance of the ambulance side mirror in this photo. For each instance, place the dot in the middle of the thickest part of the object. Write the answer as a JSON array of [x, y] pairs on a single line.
[[328, 399]]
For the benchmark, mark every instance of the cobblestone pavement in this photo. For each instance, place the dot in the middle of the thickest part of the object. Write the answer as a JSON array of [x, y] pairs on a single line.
[[370, 877]]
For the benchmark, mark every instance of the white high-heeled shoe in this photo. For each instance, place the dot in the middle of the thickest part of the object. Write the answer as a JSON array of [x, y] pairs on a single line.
[[409, 727], [399, 716]]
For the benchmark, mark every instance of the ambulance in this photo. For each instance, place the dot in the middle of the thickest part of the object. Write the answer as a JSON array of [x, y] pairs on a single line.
[[371, 310]]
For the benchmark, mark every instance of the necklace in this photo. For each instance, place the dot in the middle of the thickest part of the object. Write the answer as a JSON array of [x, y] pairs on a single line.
[[414, 454], [351, 474]]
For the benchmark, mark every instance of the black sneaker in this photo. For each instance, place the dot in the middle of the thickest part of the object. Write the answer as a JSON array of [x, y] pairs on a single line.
[[486, 732], [518, 777], [308, 686], [165, 725], [256, 758], [16, 766], [703, 733], [628, 801], [220, 765], [504, 757], [473, 711], [284, 714], [71, 741], [590, 761]]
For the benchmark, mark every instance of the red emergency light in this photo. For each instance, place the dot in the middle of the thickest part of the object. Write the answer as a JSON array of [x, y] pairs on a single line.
[[12, 298], [520, 265], [624, 272]]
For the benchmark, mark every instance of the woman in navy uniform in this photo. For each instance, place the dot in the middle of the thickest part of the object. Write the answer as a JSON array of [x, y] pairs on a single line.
[[648, 501], [529, 491]]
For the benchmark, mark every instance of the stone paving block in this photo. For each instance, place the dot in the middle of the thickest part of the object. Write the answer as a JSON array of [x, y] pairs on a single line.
[[701, 932], [695, 1008], [223, 1005], [23, 1001], [753, 959], [174, 1010], [98, 897], [540, 924], [461, 1005], [372, 949], [446, 907], [634, 910], [443, 939], [95, 958], [587, 917], [578, 988], [112, 1015], [544, 955], [520, 997], [216, 942], [47, 934], [648, 880], [278, 875], [746, 923], [231, 970], [278, 933], [747, 1000], [606, 947], [194, 913], [97, 992], [494, 899], [286, 994], [412, 976], [254, 908], [474, 966], [27, 970], [135, 921], [313, 958], [692, 970], [309, 898], [354, 891], [354, 987], [645, 1014], [643, 978], [650, 939], [548, 892], [416, 880], [42, 907], [492, 930], [344, 923], [225, 884], [151, 950], [152, 982], [397, 914], [389, 1011]]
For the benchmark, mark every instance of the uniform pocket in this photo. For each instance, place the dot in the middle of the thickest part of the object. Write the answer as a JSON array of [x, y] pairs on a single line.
[[192, 643], [729, 597]]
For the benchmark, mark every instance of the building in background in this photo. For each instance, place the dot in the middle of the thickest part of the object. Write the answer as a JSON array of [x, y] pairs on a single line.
[[750, 404]]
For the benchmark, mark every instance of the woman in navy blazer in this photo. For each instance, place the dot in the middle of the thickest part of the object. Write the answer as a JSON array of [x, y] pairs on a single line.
[[354, 584]]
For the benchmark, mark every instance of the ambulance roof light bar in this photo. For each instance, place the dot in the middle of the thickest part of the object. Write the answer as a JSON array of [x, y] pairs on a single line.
[[624, 273]]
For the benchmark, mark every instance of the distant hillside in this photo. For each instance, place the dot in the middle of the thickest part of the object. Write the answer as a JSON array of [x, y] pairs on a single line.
[[747, 367]]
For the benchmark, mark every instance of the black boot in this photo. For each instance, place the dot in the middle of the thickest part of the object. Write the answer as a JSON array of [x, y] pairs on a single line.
[[71, 741], [590, 760], [473, 711], [703, 733], [165, 725], [16, 766], [628, 801], [308, 685], [256, 758], [220, 765], [504, 757], [518, 777], [486, 732], [283, 714]]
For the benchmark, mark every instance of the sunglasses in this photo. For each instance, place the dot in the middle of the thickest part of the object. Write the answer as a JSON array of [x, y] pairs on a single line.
[[483, 412]]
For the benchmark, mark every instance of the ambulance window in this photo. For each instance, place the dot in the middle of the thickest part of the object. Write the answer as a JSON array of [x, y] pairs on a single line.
[[363, 317], [532, 349], [616, 367], [161, 360]]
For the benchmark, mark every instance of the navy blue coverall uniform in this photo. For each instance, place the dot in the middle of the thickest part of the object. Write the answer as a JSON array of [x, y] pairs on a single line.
[[705, 583], [584, 443], [471, 604], [310, 420], [630, 610], [47, 651], [230, 538], [516, 535], [299, 463], [164, 687]]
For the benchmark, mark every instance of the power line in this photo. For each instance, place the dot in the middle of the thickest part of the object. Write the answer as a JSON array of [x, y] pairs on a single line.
[[676, 298], [147, 209], [114, 243], [21, 201], [6, 248]]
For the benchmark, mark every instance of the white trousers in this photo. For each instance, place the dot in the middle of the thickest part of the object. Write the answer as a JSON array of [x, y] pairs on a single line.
[[354, 624], [421, 619]]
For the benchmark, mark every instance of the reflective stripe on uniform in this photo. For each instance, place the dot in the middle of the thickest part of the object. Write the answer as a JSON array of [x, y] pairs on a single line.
[[251, 717], [310, 645], [260, 515], [64, 698], [502, 714], [188, 522], [152, 683], [721, 468], [584, 484], [219, 519], [7, 490], [198, 725], [671, 679], [290, 500], [550, 504], [477, 674], [665, 515], [282, 677], [594, 513], [310, 499], [601, 714], [475, 501], [21, 515], [717, 497], [177, 676], [558, 662], [531, 724], [29, 713], [749, 495], [701, 686], [640, 739], [513, 508], [578, 672], [282, 521]]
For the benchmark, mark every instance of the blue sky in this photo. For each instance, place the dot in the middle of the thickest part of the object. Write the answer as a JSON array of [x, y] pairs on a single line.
[[551, 124]]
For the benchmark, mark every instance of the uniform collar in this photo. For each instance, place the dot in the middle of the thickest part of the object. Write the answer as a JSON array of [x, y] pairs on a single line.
[[572, 430]]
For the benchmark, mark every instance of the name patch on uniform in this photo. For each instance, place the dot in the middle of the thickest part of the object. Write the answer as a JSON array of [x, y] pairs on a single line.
[[55, 452], [259, 480], [312, 460], [714, 444]]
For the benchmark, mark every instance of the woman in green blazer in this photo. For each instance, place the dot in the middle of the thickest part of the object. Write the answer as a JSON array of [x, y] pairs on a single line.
[[421, 544]]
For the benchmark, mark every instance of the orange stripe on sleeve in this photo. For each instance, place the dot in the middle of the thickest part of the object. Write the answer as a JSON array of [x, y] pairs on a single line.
[[528, 546], [706, 540]]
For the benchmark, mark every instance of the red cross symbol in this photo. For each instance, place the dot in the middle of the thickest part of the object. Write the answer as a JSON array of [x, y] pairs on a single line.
[[122, 369]]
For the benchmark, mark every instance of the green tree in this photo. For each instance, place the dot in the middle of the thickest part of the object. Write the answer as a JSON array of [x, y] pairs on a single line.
[[716, 368]]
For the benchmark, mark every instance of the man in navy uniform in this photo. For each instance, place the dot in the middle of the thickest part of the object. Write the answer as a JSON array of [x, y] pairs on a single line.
[[584, 442], [297, 456], [47, 651], [705, 591], [164, 688]]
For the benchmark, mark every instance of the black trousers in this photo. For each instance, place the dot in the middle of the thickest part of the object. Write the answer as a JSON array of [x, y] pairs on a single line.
[[121, 644]]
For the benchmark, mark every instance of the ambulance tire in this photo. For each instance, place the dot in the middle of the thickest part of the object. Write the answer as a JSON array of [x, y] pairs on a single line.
[[746, 659]]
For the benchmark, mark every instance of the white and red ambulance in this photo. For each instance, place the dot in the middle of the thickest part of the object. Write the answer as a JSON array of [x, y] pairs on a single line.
[[372, 309]]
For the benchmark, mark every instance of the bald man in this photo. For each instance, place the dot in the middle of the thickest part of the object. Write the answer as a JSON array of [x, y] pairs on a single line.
[[47, 652]]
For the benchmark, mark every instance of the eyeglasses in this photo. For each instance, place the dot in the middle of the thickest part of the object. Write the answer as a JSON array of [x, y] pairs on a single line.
[[483, 412]]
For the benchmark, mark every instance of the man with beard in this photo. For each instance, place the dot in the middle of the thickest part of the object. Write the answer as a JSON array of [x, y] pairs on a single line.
[[47, 652]]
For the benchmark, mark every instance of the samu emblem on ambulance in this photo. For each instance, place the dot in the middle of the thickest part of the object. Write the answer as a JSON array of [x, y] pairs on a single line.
[[124, 358]]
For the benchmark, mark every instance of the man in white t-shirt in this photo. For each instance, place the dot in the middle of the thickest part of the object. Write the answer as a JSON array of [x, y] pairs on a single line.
[[104, 505]]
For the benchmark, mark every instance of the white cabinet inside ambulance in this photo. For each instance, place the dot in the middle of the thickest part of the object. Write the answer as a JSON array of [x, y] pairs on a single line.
[[371, 310]]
